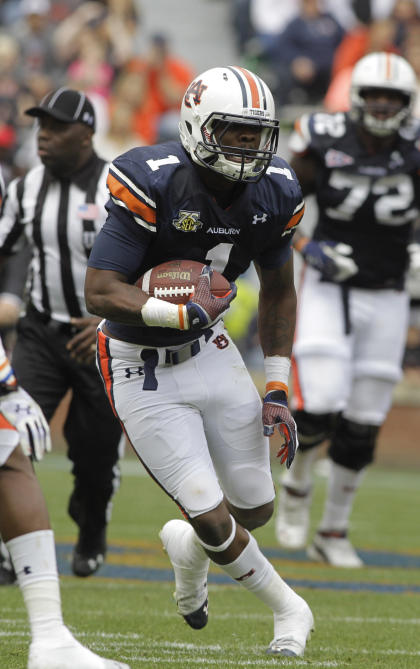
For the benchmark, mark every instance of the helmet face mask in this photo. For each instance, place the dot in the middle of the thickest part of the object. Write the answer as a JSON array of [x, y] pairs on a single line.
[[237, 163], [228, 125], [392, 81]]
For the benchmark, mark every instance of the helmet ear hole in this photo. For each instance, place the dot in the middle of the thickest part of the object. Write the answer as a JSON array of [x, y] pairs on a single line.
[[189, 127]]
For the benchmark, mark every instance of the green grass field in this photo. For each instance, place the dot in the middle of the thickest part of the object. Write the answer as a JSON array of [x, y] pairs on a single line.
[[364, 618]]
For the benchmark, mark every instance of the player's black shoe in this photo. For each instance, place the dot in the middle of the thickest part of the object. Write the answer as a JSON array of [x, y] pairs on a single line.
[[89, 553], [198, 619]]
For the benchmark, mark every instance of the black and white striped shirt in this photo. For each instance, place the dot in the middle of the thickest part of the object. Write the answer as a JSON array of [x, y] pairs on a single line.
[[60, 218]]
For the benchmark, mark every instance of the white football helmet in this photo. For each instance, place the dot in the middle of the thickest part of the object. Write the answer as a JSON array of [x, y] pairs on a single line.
[[385, 71], [230, 95]]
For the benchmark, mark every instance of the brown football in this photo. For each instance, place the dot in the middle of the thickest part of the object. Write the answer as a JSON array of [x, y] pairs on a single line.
[[175, 280]]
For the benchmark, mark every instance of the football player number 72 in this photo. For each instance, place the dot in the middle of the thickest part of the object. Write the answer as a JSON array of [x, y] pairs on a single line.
[[393, 197]]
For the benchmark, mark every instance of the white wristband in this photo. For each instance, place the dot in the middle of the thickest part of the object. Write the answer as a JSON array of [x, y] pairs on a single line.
[[163, 314], [277, 371]]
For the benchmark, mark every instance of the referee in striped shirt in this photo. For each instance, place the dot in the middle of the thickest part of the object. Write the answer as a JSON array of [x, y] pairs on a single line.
[[58, 207]]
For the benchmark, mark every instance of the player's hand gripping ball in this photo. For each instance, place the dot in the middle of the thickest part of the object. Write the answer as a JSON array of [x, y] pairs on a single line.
[[205, 292]]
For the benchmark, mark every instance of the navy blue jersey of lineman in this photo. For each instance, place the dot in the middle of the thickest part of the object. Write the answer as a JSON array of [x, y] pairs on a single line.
[[367, 201], [159, 209]]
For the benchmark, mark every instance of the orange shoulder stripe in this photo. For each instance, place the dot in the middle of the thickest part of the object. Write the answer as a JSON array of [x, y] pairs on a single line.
[[118, 190], [295, 219]]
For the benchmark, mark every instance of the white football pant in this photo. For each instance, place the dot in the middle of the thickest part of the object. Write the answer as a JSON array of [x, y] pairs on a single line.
[[199, 432], [355, 372]]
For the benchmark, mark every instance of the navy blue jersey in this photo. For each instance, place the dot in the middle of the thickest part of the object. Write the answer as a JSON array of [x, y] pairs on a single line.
[[159, 210], [366, 200]]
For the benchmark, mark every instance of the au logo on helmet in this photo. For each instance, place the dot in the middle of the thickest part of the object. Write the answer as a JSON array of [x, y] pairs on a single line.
[[188, 221], [196, 89]]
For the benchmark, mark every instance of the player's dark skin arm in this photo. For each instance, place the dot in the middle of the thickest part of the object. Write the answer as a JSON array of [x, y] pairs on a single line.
[[108, 294], [277, 309]]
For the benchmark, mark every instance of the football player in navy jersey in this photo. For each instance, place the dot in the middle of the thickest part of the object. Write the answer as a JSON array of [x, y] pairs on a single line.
[[173, 375], [363, 166]]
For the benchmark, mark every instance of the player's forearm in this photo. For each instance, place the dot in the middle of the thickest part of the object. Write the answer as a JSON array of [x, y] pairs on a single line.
[[276, 324], [277, 309], [111, 298]]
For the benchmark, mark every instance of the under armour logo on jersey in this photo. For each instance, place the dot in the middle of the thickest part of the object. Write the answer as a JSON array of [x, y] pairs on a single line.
[[133, 371], [27, 570], [259, 219]]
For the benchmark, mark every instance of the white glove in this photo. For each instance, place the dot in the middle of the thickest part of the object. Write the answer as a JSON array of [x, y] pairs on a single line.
[[27, 418], [345, 266], [330, 258]]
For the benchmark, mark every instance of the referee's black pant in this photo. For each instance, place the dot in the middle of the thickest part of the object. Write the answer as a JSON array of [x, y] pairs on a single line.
[[46, 371]]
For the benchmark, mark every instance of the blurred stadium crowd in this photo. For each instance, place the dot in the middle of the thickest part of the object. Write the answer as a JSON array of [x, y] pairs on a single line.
[[308, 48], [305, 51], [91, 46]]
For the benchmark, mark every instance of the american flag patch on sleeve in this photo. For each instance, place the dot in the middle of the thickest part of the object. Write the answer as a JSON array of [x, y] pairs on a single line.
[[88, 211]]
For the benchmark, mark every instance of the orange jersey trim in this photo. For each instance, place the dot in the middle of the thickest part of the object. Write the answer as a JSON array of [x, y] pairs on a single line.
[[103, 364], [295, 219], [122, 193]]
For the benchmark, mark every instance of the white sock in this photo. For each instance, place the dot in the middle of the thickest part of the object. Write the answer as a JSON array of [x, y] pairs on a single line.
[[252, 570], [34, 559], [299, 476], [343, 484], [192, 549]]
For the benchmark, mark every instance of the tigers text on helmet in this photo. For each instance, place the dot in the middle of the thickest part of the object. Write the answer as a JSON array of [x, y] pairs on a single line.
[[386, 72], [219, 98]]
